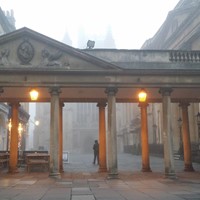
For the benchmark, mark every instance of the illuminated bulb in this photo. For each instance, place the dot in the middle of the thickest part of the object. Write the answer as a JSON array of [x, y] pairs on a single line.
[[142, 96], [34, 94]]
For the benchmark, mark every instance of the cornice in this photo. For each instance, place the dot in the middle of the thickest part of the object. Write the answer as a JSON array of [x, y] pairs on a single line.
[[161, 33], [181, 28]]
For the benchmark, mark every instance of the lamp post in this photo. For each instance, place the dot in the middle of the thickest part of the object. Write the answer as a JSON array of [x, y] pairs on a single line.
[[198, 125], [180, 136], [144, 131]]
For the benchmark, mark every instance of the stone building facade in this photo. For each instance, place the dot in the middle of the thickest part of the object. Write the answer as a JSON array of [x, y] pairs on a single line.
[[180, 31]]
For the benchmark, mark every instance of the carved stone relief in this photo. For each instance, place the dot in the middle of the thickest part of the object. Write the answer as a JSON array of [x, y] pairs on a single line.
[[25, 52], [51, 59], [4, 57]]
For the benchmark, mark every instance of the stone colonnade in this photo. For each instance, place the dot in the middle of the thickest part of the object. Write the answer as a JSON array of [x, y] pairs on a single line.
[[108, 142]]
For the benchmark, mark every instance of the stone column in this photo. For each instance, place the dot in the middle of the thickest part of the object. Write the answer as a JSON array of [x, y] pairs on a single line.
[[102, 137], [186, 137], [167, 134], [144, 137], [61, 105], [54, 133], [14, 137], [112, 134]]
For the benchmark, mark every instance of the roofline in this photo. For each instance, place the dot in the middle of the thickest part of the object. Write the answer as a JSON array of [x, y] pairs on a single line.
[[167, 22], [71, 50]]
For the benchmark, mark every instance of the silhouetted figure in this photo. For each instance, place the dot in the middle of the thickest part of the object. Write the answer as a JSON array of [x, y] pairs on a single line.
[[96, 152]]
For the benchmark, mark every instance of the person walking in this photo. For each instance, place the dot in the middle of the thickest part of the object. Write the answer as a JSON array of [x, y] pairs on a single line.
[[96, 152]]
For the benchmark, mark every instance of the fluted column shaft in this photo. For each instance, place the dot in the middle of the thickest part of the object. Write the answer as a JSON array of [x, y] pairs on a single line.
[[61, 105], [54, 133], [167, 134], [112, 134]]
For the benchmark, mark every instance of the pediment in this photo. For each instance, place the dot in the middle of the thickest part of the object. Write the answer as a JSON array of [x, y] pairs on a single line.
[[27, 49]]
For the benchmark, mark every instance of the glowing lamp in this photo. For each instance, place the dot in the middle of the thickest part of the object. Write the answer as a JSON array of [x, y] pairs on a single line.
[[142, 96], [37, 123], [34, 94]]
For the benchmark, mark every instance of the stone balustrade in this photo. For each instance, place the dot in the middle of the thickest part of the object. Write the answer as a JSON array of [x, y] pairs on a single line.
[[184, 56]]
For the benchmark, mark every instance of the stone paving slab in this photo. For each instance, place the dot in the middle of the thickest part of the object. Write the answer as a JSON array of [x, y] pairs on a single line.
[[81, 191], [8, 182], [190, 196], [83, 197], [26, 182], [120, 189], [91, 185]]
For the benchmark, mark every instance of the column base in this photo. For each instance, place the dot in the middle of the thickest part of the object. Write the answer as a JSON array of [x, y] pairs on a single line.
[[13, 171], [55, 175], [61, 170], [146, 169], [102, 169], [189, 168], [112, 176], [171, 175]]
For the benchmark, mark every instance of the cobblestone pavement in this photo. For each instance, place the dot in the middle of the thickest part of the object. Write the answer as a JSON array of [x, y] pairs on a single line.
[[81, 181]]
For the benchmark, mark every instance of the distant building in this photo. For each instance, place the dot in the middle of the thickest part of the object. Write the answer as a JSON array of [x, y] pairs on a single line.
[[66, 39], [181, 29], [105, 41], [7, 24]]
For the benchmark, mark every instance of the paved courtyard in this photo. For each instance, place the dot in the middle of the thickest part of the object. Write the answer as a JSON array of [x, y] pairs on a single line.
[[81, 181]]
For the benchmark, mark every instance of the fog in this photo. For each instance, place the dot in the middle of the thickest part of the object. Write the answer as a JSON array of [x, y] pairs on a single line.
[[130, 22]]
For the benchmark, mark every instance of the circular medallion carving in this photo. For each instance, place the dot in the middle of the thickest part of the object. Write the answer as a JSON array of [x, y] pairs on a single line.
[[25, 52]]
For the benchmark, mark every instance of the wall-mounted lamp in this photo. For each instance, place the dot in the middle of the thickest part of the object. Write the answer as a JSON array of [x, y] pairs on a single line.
[[34, 94], [36, 123], [142, 96]]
